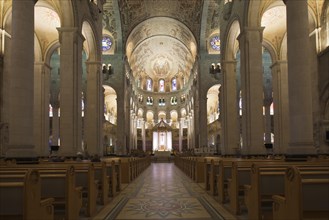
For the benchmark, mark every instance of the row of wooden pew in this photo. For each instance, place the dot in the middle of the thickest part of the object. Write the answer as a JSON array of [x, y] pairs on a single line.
[[264, 188], [69, 189]]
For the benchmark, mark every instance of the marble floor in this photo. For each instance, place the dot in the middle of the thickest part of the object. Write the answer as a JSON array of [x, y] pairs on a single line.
[[162, 191]]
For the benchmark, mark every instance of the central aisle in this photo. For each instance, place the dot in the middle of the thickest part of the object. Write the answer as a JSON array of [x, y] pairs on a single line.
[[162, 191]]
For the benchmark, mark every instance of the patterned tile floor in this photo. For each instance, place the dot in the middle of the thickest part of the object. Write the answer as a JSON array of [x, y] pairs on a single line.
[[162, 191]]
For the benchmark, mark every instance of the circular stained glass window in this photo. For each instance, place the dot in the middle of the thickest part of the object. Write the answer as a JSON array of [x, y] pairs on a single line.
[[215, 43], [106, 43]]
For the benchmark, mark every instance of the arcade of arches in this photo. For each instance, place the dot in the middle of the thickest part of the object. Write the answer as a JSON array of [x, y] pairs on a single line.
[[224, 77]]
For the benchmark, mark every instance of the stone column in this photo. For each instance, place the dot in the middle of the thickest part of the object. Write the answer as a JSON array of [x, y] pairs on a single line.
[[143, 135], [230, 137], [55, 123], [192, 129], [134, 137], [267, 120], [281, 107], [299, 78], [121, 116], [203, 119], [181, 123], [21, 117], [95, 109], [131, 132], [70, 90], [41, 107], [250, 41]]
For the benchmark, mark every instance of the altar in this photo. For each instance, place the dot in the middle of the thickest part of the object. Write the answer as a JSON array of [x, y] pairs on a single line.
[[162, 137], [164, 154]]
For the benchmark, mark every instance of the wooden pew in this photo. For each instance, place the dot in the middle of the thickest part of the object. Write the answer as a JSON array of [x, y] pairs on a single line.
[[267, 179], [223, 174], [240, 175], [236, 173], [20, 196], [84, 177], [199, 169], [306, 196], [208, 171], [61, 180], [125, 170], [214, 171], [113, 181], [63, 189], [104, 180]]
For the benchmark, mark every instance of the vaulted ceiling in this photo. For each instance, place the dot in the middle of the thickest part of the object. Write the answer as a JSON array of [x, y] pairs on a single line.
[[161, 36], [134, 12]]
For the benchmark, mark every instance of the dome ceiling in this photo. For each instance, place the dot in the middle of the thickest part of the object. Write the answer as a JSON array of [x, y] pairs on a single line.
[[161, 47]]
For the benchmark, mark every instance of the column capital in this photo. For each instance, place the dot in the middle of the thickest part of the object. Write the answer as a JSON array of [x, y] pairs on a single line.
[[93, 63], [246, 30], [228, 62], [93, 66], [278, 63], [43, 65], [75, 30]]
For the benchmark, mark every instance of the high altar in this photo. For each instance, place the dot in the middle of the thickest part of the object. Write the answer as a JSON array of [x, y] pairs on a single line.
[[162, 137]]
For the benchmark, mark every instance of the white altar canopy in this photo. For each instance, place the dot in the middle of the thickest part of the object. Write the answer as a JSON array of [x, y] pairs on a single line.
[[162, 137]]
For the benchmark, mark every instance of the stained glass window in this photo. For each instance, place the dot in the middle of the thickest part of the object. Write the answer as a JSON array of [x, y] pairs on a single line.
[[161, 85], [106, 43], [149, 85], [215, 43], [174, 84]]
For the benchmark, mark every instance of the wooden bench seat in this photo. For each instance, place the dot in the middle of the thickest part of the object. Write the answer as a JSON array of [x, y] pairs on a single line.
[[268, 180], [84, 177], [58, 183], [306, 195], [213, 172], [20, 197]]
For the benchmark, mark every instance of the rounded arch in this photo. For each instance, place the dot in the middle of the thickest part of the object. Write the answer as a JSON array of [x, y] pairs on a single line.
[[213, 103], [270, 47], [174, 115], [231, 44], [91, 42], [140, 113], [67, 13], [183, 112], [162, 115], [149, 116], [50, 50], [110, 104], [284, 48], [325, 23], [37, 49], [253, 13]]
